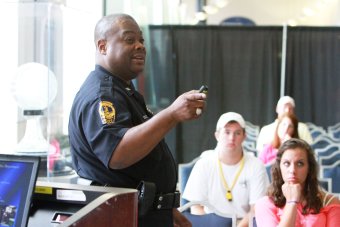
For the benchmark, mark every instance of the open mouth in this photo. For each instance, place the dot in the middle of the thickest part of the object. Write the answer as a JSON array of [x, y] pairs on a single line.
[[140, 57]]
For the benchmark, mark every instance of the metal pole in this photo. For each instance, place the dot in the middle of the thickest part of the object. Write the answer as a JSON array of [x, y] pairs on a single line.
[[283, 60], [200, 4]]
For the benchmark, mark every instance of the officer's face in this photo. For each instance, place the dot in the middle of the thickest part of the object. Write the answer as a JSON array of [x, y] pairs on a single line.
[[125, 53]]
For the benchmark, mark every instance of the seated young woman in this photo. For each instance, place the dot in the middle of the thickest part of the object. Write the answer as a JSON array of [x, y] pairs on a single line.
[[294, 197], [286, 128]]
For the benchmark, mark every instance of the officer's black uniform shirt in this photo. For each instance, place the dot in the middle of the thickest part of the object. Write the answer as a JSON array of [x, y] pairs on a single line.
[[103, 110]]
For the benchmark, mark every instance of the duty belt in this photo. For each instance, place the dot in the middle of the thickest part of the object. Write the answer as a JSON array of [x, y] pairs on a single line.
[[167, 201]]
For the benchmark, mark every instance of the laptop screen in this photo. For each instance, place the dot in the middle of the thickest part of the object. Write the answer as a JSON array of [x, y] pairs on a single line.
[[18, 175]]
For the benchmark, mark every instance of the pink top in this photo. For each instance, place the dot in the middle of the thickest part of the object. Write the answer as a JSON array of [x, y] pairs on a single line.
[[268, 215], [268, 154]]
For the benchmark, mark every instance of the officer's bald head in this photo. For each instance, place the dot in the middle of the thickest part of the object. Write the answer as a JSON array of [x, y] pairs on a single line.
[[106, 25]]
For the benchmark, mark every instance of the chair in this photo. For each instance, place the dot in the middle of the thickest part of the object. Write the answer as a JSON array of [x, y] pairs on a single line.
[[329, 159], [215, 219], [326, 183], [335, 134], [335, 127], [252, 129], [326, 151], [311, 126], [317, 132], [252, 221], [184, 170], [250, 140], [334, 131], [269, 171], [332, 172], [324, 141], [250, 147]]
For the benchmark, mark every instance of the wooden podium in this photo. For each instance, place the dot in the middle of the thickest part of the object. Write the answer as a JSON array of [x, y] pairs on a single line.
[[60, 204]]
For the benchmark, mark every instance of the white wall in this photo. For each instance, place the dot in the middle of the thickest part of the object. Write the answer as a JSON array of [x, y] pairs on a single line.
[[263, 12], [275, 12]]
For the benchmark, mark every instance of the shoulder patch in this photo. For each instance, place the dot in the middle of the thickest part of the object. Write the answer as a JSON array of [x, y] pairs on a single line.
[[107, 112]]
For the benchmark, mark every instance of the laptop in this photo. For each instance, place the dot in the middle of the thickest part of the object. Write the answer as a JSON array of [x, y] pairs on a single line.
[[18, 175]]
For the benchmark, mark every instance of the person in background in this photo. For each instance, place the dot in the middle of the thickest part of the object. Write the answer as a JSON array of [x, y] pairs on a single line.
[[294, 197], [115, 140], [287, 128], [284, 105], [228, 178]]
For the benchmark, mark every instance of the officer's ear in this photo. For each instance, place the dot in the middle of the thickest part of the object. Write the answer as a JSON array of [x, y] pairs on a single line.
[[101, 44]]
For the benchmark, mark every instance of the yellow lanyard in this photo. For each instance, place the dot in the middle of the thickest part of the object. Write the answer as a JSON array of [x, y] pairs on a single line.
[[228, 194]]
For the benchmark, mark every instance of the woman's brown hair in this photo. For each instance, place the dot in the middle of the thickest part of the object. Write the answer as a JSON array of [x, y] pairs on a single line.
[[276, 143], [311, 192]]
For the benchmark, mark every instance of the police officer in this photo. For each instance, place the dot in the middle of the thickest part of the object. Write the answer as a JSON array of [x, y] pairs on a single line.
[[115, 140]]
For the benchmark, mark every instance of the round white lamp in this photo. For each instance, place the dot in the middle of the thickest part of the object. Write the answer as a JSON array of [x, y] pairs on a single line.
[[34, 89]]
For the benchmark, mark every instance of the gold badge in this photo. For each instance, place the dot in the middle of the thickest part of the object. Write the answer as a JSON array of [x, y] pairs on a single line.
[[107, 112]]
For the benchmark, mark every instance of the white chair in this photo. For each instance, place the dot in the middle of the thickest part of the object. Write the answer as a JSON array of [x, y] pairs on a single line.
[[334, 131], [326, 151], [250, 139], [249, 147], [324, 141], [184, 170], [335, 127], [329, 159], [326, 184], [332, 172], [317, 132], [215, 219], [252, 129]]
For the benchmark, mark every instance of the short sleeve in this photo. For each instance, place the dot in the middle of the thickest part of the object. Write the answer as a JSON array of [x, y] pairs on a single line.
[[103, 133], [196, 188], [332, 215], [258, 179]]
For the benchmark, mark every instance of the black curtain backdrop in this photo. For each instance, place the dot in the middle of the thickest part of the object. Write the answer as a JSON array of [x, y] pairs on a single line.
[[313, 73], [242, 67]]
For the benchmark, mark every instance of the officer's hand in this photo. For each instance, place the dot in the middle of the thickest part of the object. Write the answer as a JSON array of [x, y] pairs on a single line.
[[187, 106]]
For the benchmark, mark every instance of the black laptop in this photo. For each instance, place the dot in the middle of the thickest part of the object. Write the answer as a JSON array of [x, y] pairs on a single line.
[[18, 175]]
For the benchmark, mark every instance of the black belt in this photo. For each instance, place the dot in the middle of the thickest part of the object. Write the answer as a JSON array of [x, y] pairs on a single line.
[[148, 200], [167, 201]]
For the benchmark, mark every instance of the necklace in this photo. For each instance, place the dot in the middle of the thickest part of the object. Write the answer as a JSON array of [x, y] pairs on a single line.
[[228, 195]]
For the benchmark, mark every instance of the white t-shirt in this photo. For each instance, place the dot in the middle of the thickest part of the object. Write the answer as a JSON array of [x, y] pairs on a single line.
[[204, 184]]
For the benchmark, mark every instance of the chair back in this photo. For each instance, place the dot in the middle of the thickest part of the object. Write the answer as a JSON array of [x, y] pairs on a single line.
[[250, 147], [326, 183], [334, 132], [184, 170], [329, 159], [333, 172], [335, 127], [324, 141], [326, 151], [252, 129], [269, 171], [212, 219], [207, 220]]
